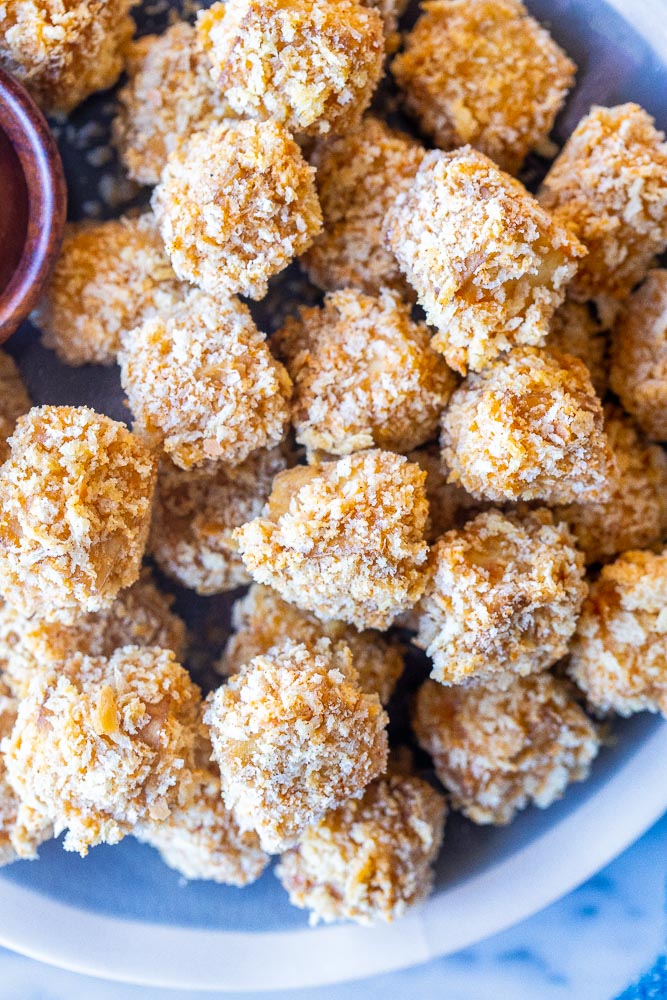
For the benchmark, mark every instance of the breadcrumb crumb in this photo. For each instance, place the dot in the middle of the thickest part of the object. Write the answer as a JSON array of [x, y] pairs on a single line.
[[14, 401]]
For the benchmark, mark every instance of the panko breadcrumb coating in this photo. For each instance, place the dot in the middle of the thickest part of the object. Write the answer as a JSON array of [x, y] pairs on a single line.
[[75, 507], [295, 736], [195, 513], [364, 374], [575, 330], [343, 539], [64, 50], [99, 743], [496, 751], [619, 655], [529, 427], [14, 401], [168, 96], [359, 175], [371, 859], [609, 187], [262, 620], [310, 65], [489, 265], [109, 278], [391, 12], [483, 72], [449, 505], [235, 205], [635, 515], [202, 383], [9, 803], [639, 355], [502, 600]]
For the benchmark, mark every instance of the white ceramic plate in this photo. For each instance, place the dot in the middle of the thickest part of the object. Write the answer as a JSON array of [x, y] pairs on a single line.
[[122, 914]]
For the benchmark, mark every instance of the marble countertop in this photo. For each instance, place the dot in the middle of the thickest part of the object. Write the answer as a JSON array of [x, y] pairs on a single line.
[[605, 941]]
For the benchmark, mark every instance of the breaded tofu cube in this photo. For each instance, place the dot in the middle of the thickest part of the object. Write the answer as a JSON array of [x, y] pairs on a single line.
[[489, 265], [310, 65], [359, 175], [344, 539], [14, 401], [575, 330], [609, 187], [371, 859], [364, 374], [497, 751], [263, 620], [294, 737], [529, 427], [449, 505], [202, 383], [109, 278], [99, 744], [619, 655], [235, 205], [483, 72], [75, 506], [502, 600]]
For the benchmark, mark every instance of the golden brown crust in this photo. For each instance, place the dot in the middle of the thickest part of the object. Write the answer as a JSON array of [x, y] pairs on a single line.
[[14, 401], [575, 330], [9, 803], [449, 505]]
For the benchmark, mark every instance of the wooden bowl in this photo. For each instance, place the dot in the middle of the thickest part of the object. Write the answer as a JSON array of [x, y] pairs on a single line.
[[33, 204]]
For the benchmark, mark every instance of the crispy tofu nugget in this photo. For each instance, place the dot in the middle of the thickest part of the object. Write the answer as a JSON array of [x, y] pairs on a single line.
[[483, 72], [343, 539], [371, 859], [64, 50], [502, 600], [619, 655], [496, 751], [196, 512], [529, 427], [635, 515], [575, 330], [295, 736], [310, 65], [168, 96], [14, 401], [202, 383], [75, 507], [364, 374], [9, 803], [391, 12], [609, 187], [359, 175], [99, 744], [235, 205], [489, 265], [639, 355], [449, 505], [109, 278], [263, 620]]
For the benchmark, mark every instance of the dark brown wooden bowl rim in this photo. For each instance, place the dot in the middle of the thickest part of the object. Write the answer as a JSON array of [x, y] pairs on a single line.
[[34, 144]]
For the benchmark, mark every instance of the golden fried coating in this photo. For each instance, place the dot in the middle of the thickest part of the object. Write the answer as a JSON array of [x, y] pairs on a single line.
[[9, 803], [574, 330], [64, 50], [635, 515], [99, 743], [639, 355], [75, 506], [310, 65], [343, 539], [609, 187], [109, 278], [619, 655], [483, 72], [502, 600], [14, 401], [195, 513], [364, 374], [202, 383], [449, 505], [529, 427], [262, 620], [391, 12], [235, 205], [489, 265], [168, 96], [371, 859], [359, 175], [295, 736], [496, 751]]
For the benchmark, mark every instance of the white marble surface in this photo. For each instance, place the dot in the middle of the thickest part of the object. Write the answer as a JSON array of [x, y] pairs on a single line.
[[592, 945]]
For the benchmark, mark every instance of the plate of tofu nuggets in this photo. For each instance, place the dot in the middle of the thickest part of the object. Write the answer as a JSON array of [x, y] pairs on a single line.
[[333, 495]]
